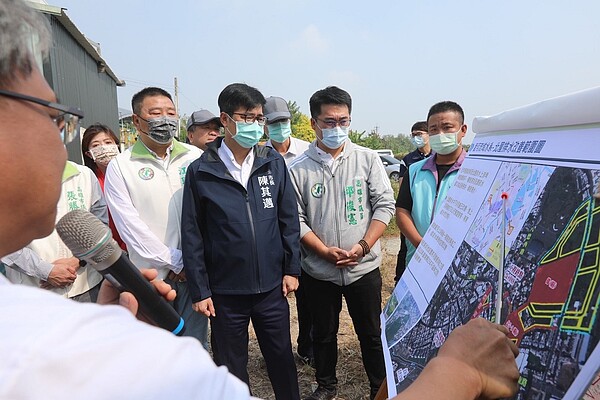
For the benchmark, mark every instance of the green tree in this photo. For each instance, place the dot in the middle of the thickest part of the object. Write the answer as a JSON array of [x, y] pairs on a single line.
[[182, 131], [400, 144], [301, 128], [356, 136], [295, 111]]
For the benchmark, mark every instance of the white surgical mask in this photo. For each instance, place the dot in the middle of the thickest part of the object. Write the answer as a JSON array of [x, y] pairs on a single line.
[[444, 143]]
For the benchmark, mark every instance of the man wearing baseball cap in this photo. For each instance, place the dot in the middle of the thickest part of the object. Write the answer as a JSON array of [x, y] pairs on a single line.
[[202, 128], [279, 130]]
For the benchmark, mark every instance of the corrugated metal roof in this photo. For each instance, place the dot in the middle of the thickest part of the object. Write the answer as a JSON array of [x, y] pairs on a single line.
[[66, 22]]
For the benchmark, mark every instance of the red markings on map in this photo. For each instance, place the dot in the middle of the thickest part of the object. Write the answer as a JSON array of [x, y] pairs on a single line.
[[547, 299], [513, 274], [484, 303]]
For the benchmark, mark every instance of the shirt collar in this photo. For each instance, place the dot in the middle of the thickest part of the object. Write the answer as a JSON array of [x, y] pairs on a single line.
[[292, 150], [229, 154]]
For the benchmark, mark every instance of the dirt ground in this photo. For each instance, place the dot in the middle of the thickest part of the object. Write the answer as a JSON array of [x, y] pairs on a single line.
[[352, 380]]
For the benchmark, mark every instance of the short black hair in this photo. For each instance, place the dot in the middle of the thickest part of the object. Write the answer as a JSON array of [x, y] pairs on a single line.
[[238, 95], [138, 98], [445, 106], [329, 95], [419, 126]]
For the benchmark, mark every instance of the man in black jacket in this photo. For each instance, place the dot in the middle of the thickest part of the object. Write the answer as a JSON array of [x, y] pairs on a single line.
[[420, 138], [240, 240]]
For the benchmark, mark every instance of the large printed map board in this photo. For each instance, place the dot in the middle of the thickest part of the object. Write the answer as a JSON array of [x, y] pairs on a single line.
[[551, 235]]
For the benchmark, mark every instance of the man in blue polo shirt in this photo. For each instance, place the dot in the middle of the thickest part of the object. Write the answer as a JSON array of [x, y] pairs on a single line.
[[429, 180]]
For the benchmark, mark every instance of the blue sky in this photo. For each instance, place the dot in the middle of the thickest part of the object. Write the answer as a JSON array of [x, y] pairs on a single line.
[[395, 58]]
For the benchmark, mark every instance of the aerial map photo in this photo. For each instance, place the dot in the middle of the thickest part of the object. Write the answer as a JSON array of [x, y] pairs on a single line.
[[551, 293]]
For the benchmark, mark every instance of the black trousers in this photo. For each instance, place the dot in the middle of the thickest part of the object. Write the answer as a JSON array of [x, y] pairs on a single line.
[[305, 347], [270, 315], [401, 259], [363, 298]]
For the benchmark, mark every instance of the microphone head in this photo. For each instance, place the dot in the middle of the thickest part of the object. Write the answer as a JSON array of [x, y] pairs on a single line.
[[88, 238]]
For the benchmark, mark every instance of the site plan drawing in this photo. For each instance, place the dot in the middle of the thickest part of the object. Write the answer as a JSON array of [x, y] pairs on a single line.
[[551, 290]]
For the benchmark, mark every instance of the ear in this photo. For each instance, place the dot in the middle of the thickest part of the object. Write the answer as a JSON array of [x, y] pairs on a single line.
[[229, 127], [136, 121], [463, 132], [223, 118], [313, 124]]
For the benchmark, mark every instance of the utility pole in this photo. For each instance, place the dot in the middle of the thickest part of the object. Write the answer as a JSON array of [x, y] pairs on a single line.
[[177, 109]]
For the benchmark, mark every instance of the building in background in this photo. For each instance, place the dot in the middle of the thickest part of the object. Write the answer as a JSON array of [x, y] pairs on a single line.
[[78, 74]]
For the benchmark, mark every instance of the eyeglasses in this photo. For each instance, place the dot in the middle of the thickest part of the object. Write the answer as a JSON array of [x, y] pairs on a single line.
[[418, 133], [67, 121], [249, 119], [332, 123]]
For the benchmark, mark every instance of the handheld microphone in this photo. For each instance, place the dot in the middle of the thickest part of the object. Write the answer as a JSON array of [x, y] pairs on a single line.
[[90, 240]]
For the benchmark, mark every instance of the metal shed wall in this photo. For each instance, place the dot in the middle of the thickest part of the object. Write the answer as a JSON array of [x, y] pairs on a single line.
[[74, 75]]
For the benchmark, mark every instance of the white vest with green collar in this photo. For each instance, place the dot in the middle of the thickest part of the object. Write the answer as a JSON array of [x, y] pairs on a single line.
[[156, 191], [77, 193]]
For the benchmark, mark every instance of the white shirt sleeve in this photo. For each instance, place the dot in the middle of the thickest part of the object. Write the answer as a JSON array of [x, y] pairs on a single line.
[[56, 348], [133, 230], [28, 262]]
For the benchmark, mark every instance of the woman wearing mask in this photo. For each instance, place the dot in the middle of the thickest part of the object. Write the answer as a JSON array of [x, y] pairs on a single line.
[[99, 146]]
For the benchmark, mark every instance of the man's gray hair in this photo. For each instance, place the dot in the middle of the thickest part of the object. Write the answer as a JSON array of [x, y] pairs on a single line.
[[20, 27]]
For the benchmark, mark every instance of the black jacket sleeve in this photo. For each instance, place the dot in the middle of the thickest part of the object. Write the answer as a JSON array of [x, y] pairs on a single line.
[[192, 244]]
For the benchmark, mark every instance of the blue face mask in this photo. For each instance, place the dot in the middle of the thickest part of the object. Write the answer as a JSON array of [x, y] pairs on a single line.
[[247, 135], [334, 138], [419, 141], [280, 131]]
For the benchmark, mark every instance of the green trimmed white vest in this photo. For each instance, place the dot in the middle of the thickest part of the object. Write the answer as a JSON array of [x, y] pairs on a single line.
[[156, 191], [76, 193]]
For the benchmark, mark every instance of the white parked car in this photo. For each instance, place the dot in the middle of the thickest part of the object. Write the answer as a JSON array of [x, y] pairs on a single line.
[[392, 166], [386, 152]]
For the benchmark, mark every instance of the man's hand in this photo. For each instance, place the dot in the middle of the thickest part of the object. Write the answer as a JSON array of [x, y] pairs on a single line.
[[489, 356], [63, 273], [205, 307], [290, 284], [336, 255], [477, 361], [355, 253], [110, 295]]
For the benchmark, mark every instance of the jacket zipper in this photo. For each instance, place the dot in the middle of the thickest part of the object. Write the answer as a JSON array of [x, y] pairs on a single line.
[[254, 256], [337, 224]]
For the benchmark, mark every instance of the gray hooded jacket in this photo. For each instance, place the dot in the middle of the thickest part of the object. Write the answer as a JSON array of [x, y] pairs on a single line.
[[338, 207]]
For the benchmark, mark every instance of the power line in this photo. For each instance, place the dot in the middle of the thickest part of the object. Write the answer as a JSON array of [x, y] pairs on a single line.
[[162, 85], [142, 84]]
